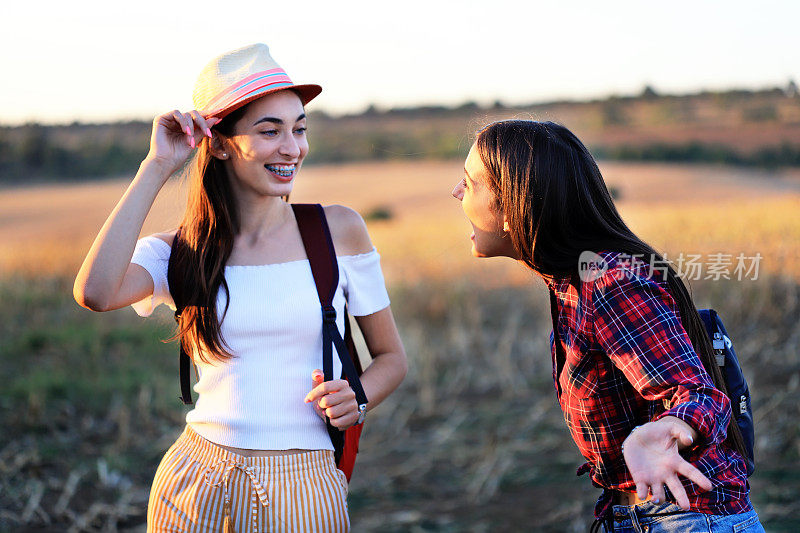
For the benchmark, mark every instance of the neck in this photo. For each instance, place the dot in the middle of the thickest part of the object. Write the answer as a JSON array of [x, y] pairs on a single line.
[[261, 217]]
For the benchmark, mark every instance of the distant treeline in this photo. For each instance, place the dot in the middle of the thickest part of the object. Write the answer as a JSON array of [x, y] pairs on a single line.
[[754, 128], [72, 152], [785, 155]]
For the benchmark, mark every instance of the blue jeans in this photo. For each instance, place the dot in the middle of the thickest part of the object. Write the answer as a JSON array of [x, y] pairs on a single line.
[[667, 517]]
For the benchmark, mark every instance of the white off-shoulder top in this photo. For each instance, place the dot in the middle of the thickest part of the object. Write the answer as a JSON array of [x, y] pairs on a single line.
[[273, 327]]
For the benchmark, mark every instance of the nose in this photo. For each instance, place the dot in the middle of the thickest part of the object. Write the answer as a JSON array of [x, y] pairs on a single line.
[[458, 191], [289, 147]]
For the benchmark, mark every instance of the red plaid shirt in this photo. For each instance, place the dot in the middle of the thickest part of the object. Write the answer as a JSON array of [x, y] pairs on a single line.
[[629, 361]]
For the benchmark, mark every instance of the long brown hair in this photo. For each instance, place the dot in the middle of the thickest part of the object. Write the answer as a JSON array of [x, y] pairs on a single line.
[[202, 248], [551, 191]]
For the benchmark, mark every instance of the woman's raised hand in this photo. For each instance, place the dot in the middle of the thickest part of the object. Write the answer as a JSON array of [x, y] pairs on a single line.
[[334, 399], [651, 454], [175, 135]]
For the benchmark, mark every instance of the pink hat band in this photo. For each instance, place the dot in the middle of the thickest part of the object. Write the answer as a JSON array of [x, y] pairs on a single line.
[[260, 82]]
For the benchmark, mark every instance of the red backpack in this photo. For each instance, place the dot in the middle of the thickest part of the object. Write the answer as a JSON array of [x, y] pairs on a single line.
[[321, 254]]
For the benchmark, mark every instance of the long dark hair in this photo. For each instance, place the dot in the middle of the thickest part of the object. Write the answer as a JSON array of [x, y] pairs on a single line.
[[202, 248], [550, 190]]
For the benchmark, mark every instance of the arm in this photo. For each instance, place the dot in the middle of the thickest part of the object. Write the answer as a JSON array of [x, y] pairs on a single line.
[[635, 324], [642, 335], [652, 455], [336, 400], [107, 280], [389, 365]]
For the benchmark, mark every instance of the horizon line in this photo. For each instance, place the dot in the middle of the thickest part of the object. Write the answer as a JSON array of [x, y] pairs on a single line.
[[647, 91]]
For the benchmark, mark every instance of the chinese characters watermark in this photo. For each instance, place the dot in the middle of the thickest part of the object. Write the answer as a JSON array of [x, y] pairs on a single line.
[[690, 267]]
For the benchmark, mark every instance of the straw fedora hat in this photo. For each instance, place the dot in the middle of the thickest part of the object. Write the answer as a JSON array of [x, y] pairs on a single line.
[[235, 78]]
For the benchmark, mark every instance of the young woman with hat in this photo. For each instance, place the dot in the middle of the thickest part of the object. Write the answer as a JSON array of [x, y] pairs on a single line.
[[630, 353], [255, 454]]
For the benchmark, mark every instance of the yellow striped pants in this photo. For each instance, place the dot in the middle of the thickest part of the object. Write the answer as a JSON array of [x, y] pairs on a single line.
[[200, 487]]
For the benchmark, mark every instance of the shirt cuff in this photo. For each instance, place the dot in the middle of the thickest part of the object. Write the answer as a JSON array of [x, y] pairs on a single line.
[[709, 429]]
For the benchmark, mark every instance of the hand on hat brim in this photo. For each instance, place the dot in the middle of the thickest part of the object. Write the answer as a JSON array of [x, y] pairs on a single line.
[[174, 136]]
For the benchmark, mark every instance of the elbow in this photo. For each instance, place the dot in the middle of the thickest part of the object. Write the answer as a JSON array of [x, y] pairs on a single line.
[[394, 366], [402, 370], [87, 298]]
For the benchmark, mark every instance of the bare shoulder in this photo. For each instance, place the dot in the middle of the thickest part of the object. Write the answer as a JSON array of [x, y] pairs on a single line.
[[167, 236], [348, 230]]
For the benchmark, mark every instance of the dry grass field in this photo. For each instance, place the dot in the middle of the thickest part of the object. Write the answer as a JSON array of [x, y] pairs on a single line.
[[472, 441], [46, 230]]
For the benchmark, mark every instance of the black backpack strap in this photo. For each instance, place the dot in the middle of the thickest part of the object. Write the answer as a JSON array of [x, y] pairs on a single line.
[[561, 356], [324, 266], [735, 382], [186, 389], [184, 361], [321, 254]]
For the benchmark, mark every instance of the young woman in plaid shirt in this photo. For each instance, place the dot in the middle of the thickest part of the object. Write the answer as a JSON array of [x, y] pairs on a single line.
[[633, 365]]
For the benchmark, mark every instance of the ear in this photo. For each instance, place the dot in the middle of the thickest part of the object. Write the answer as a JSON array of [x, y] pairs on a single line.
[[217, 147]]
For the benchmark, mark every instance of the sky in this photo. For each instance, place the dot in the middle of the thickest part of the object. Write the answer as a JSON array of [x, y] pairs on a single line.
[[101, 61]]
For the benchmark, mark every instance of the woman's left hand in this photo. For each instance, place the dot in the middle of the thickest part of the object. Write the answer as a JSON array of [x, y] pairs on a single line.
[[334, 399], [651, 454]]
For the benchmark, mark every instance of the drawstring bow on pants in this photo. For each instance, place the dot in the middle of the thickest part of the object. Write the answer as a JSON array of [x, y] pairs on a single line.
[[216, 476]]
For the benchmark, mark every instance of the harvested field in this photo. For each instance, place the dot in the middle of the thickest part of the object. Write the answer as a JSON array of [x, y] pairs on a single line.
[[472, 441], [46, 230]]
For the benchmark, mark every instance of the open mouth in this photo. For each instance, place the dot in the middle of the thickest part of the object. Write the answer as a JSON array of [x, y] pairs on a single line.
[[283, 172]]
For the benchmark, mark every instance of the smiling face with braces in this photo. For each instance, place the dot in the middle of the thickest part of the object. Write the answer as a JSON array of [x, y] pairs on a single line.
[[269, 145]]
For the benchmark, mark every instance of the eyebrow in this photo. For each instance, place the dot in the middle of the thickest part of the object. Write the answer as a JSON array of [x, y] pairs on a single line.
[[276, 120]]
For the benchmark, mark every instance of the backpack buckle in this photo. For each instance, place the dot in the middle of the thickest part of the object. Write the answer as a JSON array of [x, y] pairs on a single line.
[[362, 414], [718, 341], [328, 314]]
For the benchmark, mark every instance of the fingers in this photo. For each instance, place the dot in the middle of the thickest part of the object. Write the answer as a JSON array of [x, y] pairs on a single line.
[[678, 492], [641, 490], [340, 409], [681, 435], [337, 403], [185, 124], [688, 471], [336, 398], [655, 483], [202, 124], [319, 410], [317, 377], [192, 124], [657, 489], [324, 388], [345, 421]]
